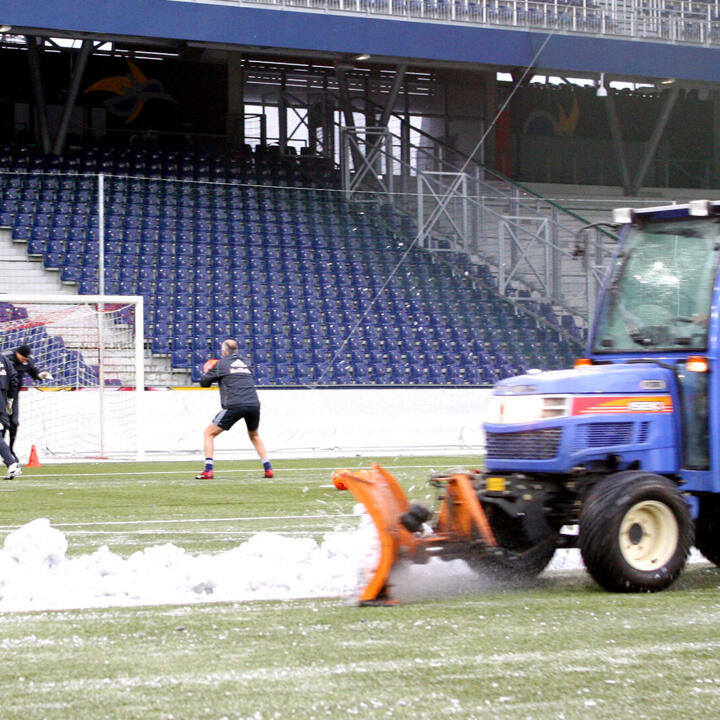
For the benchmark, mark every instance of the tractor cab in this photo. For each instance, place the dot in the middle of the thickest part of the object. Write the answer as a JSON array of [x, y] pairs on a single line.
[[645, 397], [660, 305]]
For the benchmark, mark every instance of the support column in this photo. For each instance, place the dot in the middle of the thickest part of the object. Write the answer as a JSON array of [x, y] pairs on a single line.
[[77, 76], [347, 111], [282, 116], [34, 46], [374, 148], [488, 107], [631, 188], [235, 118], [393, 95], [617, 142], [716, 130], [405, 145], [657, 133]]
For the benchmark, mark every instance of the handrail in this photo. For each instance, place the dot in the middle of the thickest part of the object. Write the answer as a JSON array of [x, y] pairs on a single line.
[[481, 207], [517, 306], [531, 193], [467, 159], [676, 21]]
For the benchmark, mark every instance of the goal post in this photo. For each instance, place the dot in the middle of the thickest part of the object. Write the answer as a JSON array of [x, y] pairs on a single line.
[[93, 346]]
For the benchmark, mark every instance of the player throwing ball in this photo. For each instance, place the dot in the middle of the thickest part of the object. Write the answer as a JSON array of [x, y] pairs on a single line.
[[239, 401]]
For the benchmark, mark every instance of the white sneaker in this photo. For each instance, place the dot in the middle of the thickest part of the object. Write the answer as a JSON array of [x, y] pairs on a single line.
[[13, 471]]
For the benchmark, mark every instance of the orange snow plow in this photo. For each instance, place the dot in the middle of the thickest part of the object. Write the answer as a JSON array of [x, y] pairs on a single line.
[[460, 530]]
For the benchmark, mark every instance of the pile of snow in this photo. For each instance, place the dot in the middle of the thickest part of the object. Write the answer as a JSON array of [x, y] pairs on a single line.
[[36, 574]]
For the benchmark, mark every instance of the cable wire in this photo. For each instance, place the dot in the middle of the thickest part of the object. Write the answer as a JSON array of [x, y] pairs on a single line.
[[468, 160]]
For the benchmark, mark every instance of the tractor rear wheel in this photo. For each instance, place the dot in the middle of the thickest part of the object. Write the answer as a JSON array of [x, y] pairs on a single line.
[[635, 532], [520, 558], [707, 530]]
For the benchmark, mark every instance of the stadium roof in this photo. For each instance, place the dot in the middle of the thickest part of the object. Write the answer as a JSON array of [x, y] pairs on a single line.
[[184, 23]]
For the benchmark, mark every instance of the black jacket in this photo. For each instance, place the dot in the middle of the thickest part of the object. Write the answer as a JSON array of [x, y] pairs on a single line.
[[9, 383], [20, 370], [237, 386]]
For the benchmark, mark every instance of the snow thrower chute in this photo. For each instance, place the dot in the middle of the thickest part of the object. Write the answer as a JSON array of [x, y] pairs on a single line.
[[461, 529]]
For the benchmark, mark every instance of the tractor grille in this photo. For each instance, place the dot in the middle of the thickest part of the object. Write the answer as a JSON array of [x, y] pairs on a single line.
[[595, 435], [533, 445]]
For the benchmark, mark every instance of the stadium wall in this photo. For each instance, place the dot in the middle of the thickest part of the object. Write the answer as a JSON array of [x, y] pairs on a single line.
[[294, 423]]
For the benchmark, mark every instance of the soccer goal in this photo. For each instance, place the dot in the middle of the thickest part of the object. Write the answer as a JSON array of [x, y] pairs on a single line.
[[93, 347]]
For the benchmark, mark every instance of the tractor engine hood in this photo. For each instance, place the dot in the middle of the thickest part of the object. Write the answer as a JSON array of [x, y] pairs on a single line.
[[593, 379], [622, 415]]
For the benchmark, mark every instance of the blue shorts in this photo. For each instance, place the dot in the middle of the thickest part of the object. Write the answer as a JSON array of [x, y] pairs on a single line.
[[227, 417]]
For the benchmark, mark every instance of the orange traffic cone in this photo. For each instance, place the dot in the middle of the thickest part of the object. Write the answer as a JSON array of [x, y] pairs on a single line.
[[33, 459]]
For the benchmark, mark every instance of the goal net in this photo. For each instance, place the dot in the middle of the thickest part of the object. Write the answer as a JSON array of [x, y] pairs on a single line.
[[92, 346]]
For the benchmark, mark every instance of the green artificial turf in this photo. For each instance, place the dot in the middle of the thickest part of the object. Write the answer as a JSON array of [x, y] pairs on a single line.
[[559, 648], [130, 505]]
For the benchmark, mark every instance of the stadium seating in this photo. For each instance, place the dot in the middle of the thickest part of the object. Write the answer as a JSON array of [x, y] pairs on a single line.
[[68, 367], [265, 247]]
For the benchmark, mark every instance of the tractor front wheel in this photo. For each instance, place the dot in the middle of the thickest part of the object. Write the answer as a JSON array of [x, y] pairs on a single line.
[[635, 532], [520, 558]]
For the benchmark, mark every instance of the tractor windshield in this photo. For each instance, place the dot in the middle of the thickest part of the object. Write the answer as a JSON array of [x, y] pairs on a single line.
[[660, 289]]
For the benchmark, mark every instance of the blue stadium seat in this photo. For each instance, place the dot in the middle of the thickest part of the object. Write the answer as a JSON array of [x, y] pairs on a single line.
[[181, 358], [300, 266]]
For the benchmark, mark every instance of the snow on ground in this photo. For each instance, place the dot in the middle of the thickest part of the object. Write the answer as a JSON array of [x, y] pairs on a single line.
[[36, 574]]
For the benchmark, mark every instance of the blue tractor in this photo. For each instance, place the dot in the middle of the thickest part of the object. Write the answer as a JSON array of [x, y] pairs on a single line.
[[619, 456]]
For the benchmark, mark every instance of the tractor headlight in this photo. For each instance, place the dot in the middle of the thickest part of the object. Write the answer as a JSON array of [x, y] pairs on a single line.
[[509, 409]]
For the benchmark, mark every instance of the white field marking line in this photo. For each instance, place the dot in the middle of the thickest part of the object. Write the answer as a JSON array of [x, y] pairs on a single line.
[[226, 531], [224, 472], [195, 520], [307, 672], [69, 485], [218, 533]]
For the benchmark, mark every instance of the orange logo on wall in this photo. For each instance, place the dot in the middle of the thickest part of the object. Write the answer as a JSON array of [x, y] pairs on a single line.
[[132, 91], [541, 122]]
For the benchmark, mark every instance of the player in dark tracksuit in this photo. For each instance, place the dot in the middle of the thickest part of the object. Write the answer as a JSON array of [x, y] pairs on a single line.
[[239, 401], [22, 362], [8, 380]]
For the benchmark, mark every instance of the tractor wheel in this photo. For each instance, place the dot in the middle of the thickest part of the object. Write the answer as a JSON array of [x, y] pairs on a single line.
[[707, 530], [520, 559], [635, 532]]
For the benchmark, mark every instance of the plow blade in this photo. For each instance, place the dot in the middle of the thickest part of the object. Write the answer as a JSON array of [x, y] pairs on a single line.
[[460, 525]]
